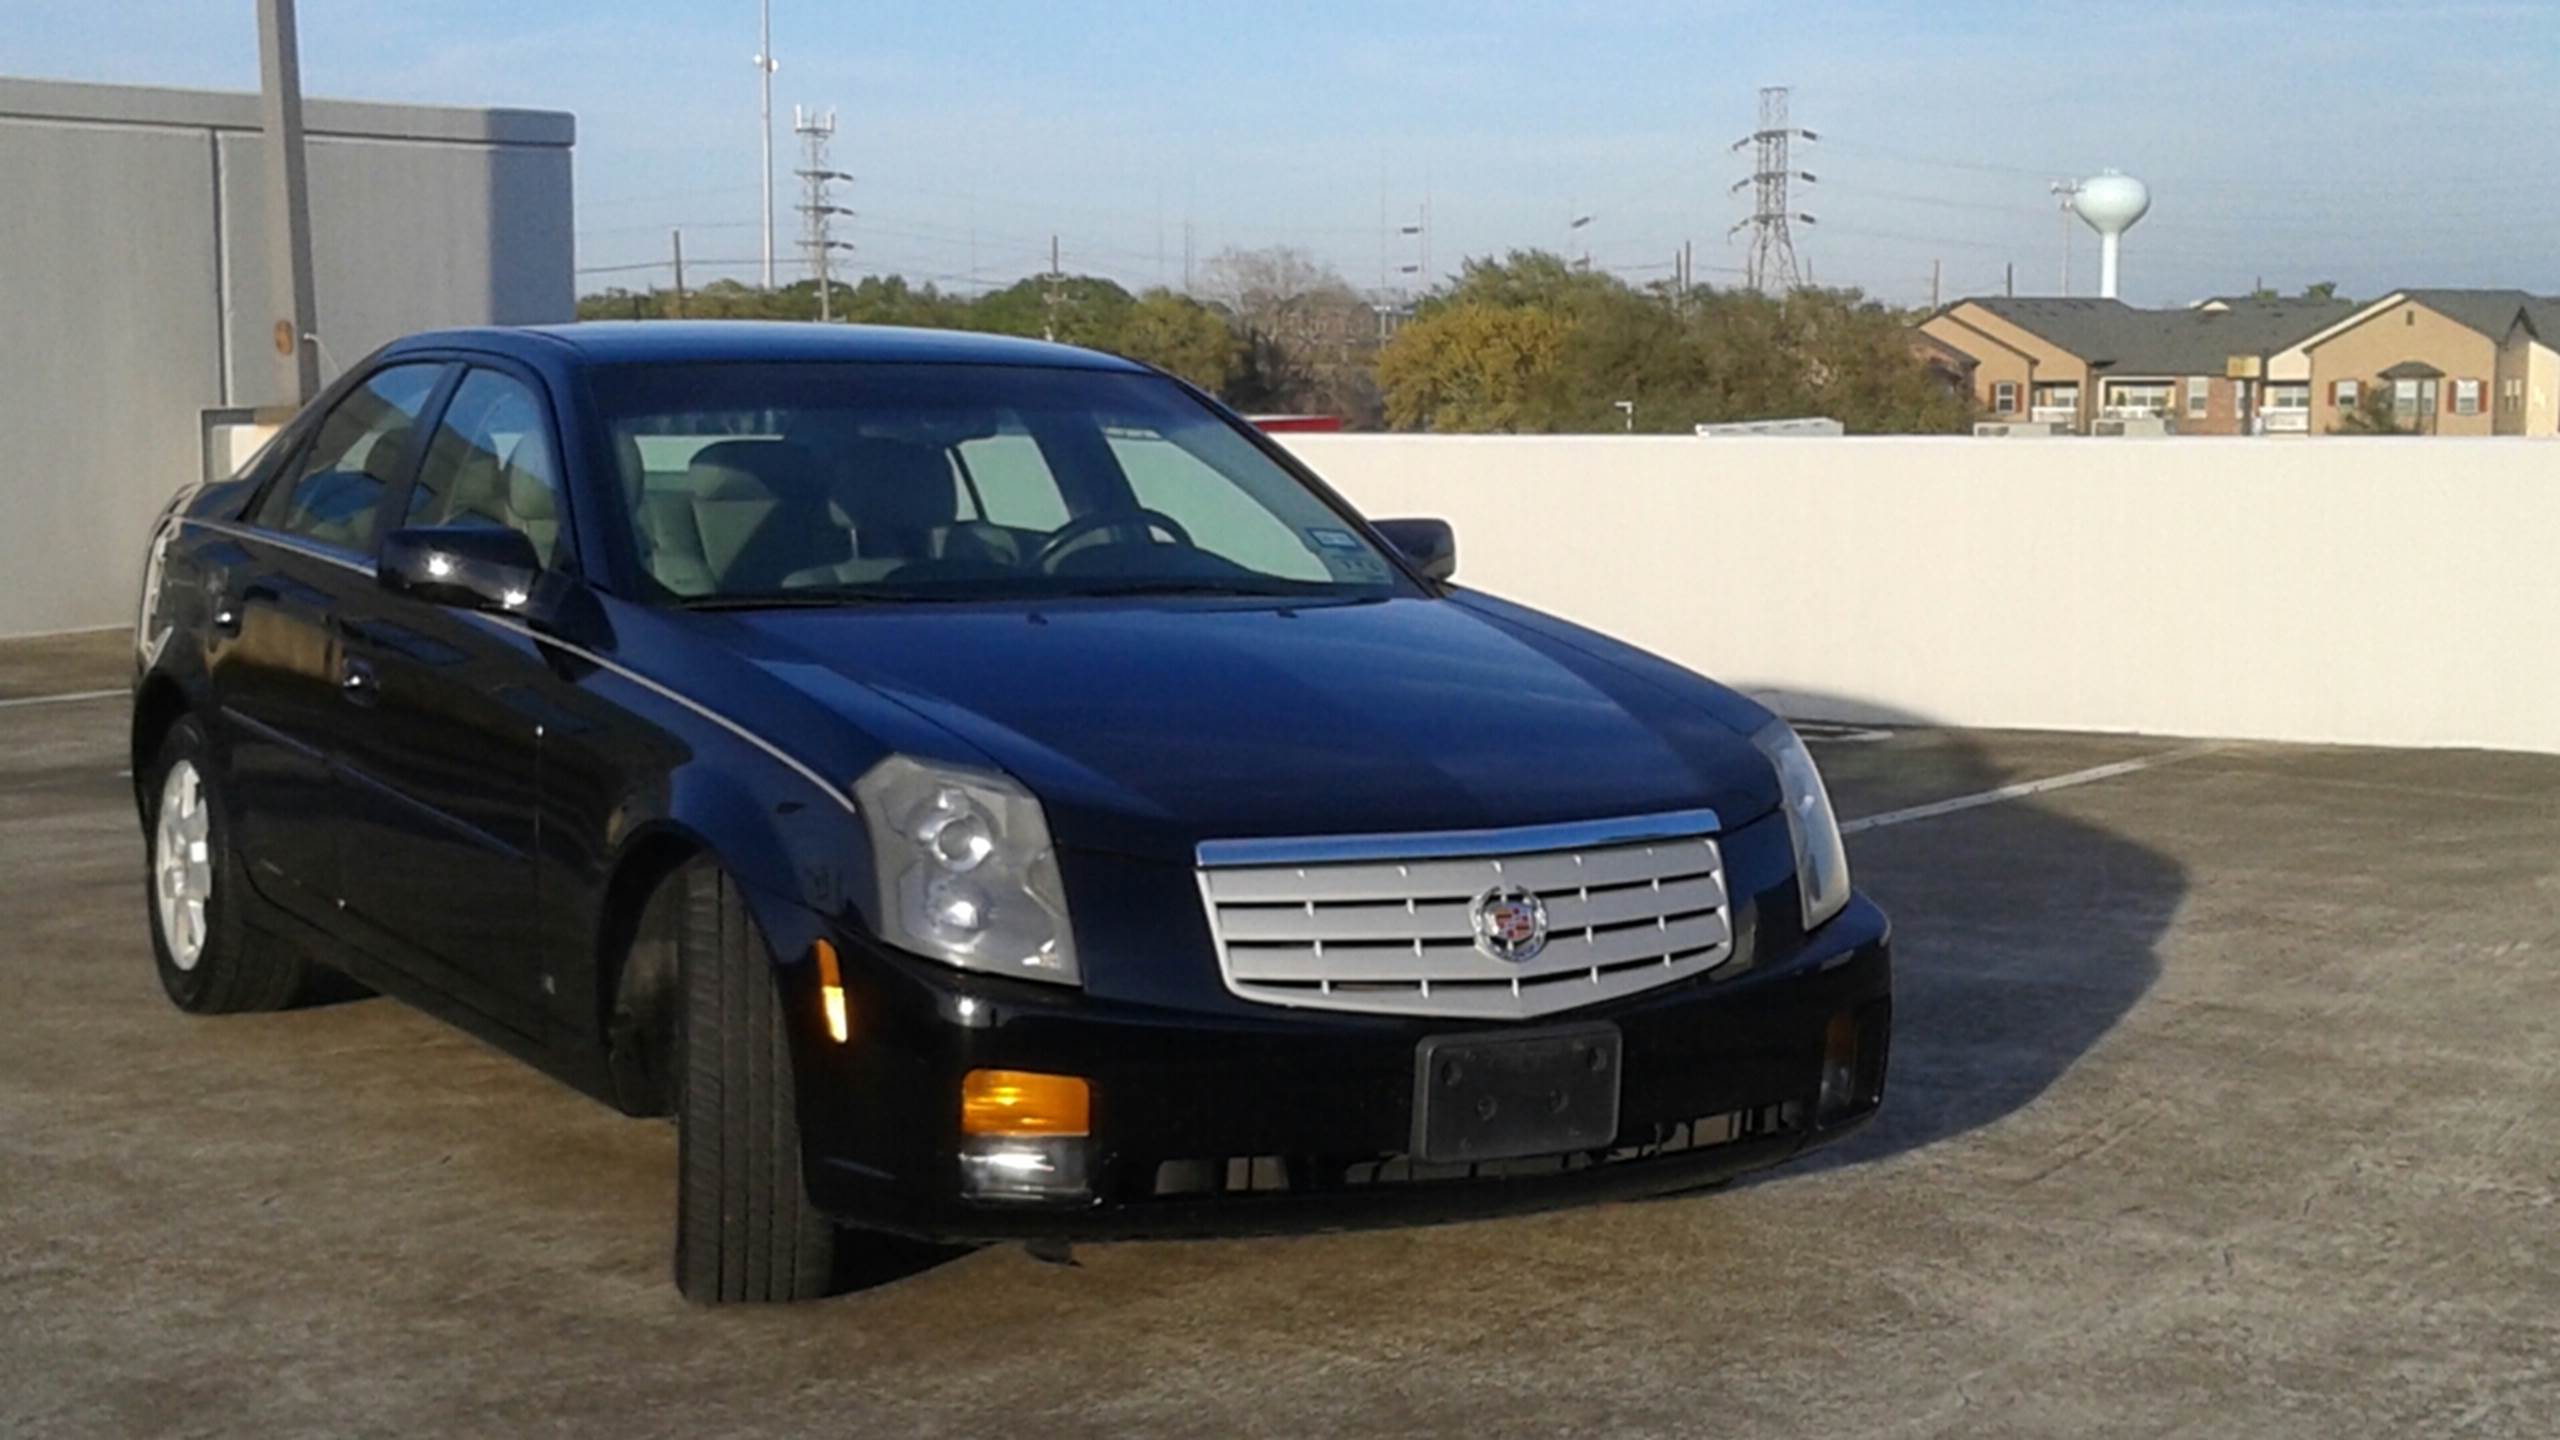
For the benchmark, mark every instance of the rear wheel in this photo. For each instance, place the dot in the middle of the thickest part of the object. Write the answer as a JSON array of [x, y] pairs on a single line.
[[745, 1229], [208, 960]]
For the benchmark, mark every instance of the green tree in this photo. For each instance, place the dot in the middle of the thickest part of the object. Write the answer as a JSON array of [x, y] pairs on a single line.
[[1471, 366], [1177, 333], [2373, 415], [1679, 358]]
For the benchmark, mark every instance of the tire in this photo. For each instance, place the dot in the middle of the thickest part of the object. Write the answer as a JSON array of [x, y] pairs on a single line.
[[745, 1229], [196, 890]]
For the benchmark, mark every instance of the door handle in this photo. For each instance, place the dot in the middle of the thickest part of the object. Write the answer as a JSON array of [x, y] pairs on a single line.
[[357, 682]]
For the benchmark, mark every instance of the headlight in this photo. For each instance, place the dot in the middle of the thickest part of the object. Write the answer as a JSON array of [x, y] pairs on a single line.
[[1822, 863], [965, 870]]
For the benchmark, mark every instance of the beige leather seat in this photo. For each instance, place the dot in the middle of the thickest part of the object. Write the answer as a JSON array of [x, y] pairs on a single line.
[[759, 513], [533, 505], [899, 499]]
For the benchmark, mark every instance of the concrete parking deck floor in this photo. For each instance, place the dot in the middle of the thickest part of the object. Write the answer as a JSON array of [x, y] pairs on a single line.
[[2220, 1106]]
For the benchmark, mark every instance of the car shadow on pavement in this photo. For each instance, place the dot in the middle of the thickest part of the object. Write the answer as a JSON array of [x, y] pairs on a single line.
[[2022, 933]]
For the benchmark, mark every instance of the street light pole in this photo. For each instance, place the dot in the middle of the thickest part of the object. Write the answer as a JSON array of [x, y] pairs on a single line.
[[288, 205], [765, 67]]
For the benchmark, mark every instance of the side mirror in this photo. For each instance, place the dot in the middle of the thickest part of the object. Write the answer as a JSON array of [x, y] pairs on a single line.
[[475, 567], [1430, 544]]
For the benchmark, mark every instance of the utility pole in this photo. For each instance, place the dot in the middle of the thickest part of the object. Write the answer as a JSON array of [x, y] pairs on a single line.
[[765, 66], [1936, 269], [1772, 267], [818, 209], [2009, 279], [288, 205], [1420, 232], [2068, 193], [1572, 225], [678, 237], [1049, 295]]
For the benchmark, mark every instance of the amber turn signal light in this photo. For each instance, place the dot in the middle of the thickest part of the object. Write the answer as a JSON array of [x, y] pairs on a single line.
[[831, 993], [1024, 1102]]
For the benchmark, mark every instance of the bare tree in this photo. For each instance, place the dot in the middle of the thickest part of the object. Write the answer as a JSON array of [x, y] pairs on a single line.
[[1310, 340]]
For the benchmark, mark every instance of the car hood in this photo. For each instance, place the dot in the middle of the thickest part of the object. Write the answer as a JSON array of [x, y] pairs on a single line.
[[1146, 726]]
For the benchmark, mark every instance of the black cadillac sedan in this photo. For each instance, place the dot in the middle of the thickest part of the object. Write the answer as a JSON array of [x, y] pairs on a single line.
[[983, 790]]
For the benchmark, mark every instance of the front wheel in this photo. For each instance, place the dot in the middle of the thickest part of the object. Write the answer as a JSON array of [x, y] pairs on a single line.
[[208, 961], [745, 1229]]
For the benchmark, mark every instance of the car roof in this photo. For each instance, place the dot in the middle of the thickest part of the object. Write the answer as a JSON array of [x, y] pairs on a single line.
[[627, 342]]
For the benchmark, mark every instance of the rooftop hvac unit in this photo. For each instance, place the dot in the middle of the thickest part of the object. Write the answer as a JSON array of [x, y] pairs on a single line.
[[2005, 429], [2133, 428]]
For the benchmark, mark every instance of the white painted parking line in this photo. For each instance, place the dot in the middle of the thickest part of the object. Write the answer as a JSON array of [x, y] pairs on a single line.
[[2023, 789], [65, 699]]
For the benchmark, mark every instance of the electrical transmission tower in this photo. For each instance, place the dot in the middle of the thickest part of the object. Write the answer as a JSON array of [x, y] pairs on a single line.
[[1772, 265], [818, 209]]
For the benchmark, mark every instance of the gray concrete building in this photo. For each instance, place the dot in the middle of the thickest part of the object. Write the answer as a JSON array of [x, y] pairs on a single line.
[[133, 291]]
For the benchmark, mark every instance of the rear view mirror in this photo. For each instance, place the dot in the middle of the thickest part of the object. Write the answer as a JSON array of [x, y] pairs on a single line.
[[1430, 545], [475, 567]]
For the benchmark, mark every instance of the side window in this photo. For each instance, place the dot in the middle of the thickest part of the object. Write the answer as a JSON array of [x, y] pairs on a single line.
[[1011, 483], [334, 491], [491, 462]]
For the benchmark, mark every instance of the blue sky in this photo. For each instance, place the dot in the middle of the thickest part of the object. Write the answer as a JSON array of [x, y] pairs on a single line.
[[2377, 144]]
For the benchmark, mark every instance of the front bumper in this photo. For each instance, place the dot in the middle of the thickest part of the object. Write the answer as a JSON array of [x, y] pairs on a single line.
[[1286, 1120]]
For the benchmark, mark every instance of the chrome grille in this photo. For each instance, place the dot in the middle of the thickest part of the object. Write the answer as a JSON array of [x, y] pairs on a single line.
[[1387, 924]]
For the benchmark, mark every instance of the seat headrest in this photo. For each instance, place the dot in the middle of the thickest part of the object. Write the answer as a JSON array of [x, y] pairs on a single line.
[[752, 470], [896, 485]]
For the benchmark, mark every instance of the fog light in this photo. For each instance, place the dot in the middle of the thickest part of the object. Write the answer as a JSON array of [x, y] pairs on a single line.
[[1030, 1167], [1839, 1069], [1025, 1103]]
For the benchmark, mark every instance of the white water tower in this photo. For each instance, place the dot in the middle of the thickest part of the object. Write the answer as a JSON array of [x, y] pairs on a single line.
[[2111, 202]]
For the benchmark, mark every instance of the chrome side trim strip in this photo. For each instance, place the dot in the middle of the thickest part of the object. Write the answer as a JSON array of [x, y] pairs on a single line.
[[838, 793], [1456, 844], [294, 543]]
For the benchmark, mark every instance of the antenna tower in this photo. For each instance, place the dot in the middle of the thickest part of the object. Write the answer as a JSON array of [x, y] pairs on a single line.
[[1772, 267], [818, 209]]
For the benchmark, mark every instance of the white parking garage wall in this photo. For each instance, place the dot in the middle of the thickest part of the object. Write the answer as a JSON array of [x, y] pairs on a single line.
[[132, 285], [2390, 592]]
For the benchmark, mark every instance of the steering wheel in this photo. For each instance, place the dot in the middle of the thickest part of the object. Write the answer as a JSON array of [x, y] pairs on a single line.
[[1136, 516]]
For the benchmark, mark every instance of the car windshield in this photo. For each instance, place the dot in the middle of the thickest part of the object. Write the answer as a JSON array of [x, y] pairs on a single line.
[[864, 482]]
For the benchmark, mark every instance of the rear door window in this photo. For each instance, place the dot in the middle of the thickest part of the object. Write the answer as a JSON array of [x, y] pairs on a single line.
[[333, 493]]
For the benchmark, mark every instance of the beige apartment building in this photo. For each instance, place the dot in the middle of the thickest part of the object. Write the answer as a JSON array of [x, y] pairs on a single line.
[[2448, 362], [2444, 362], [2225, 367]]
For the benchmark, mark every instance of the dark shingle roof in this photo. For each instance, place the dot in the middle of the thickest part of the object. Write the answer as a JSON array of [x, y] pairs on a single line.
[[2126, 341], [2491, 312], [2413, 370]]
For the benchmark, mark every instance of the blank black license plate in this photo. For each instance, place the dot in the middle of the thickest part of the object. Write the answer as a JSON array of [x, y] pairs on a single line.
[[1478, 1097]]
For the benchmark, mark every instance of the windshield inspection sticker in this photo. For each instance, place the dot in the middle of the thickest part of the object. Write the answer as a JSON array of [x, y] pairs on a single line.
[[1335, 539]]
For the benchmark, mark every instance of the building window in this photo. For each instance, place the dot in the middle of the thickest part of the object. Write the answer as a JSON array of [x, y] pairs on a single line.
[[2405, 399], [2466, 397], [2004, 398], [2511, 394], [2199, 398], [2346, 394], [2138, 399], [2288, 397]]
